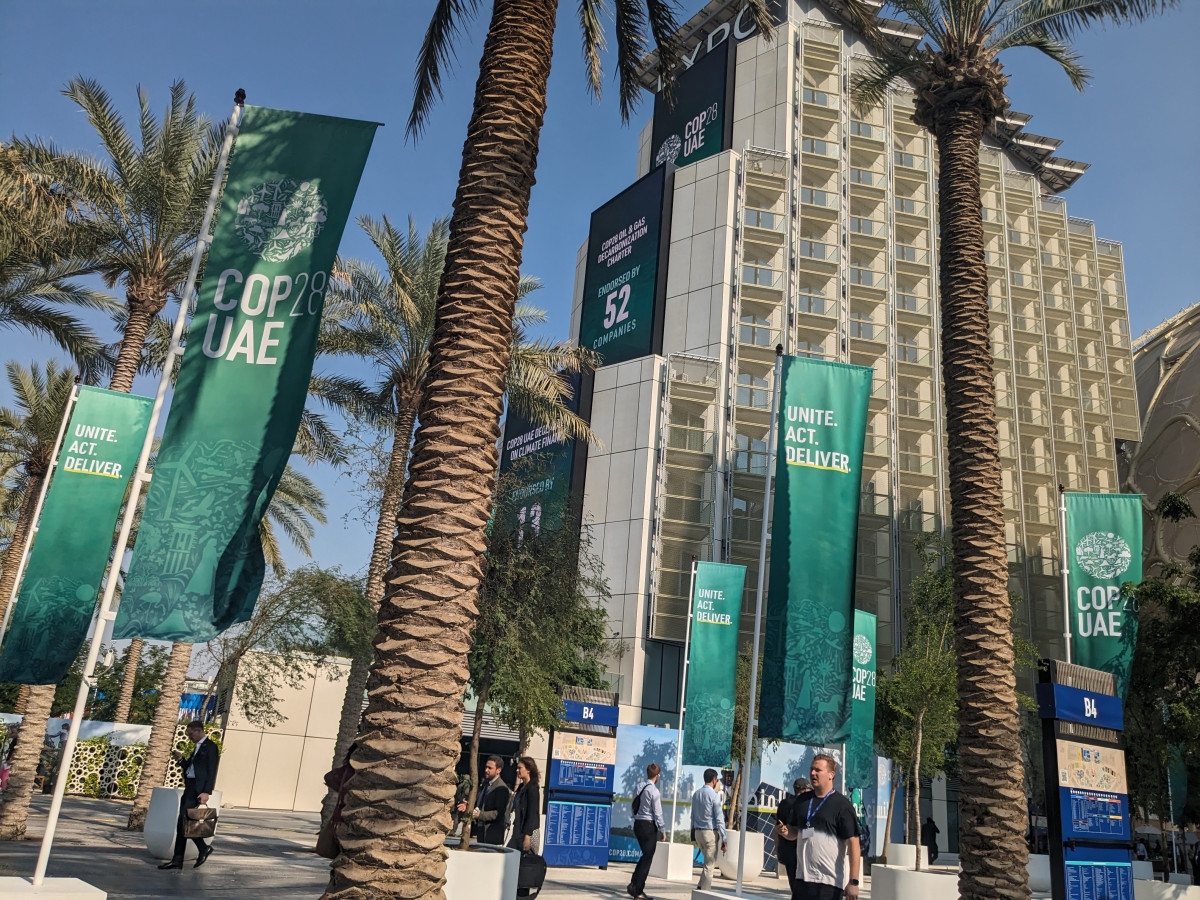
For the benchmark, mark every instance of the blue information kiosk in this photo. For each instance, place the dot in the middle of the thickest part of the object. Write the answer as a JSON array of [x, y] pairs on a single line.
[[1087, 797], [583, 757]]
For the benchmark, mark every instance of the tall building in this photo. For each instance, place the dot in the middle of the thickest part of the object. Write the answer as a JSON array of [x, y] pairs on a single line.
[[1166, 363], [793, 219]]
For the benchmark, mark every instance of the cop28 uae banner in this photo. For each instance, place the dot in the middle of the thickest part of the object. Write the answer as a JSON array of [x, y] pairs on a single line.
[[712, 664], [1104, 550], [74, 538], [198, 563], [814, 527], [860, 748]]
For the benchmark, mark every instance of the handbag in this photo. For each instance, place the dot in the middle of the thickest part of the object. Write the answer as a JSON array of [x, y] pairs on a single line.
[[200, 822], [327, 842], [531, 875]]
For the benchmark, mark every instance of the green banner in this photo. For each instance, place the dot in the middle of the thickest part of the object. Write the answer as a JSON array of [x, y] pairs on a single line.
[[712, 664], [699, 123], [814, 529], [75, 535], [860, 749], [198, 563], [1104, 550], [625, 278]]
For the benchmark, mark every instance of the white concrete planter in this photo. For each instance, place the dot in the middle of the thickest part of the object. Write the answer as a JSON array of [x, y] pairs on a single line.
[[484, 872], [727, 862], [1157, 890], [672, 861], [904, 856], [162, 817], [1039, 872], [1179, 878], [894, 883], [1143, 870]]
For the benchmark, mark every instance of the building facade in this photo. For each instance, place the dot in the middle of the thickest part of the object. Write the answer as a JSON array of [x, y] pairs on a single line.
[[815, 228]]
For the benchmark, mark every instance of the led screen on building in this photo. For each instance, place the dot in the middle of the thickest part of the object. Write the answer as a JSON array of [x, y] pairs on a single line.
[[700, 123], [625, 279], [538, 467]]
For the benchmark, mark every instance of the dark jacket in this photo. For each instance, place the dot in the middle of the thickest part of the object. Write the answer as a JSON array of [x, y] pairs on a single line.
[[205, 758], [527, 813], [493, 814]]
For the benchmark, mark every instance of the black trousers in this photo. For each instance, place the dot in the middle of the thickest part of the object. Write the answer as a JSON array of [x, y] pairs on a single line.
[[647, 838], [190, 801], [809, 890], [785, 852]]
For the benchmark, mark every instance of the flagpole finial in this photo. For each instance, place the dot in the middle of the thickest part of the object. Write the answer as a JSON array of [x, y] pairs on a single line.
[[779, 349], [1062, 488], [240, 97]]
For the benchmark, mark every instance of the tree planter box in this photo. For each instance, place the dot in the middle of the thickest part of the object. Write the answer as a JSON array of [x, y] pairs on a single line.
[[904, 856], [673, 861], [484, 872], [1039, 872], [896, 883], [727, 862], [1157, 890]]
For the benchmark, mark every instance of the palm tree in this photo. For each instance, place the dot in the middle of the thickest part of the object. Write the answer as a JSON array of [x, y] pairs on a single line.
[[387, 318], [27, 437], [144, 203], [959, 84], [43, 246], [398, 805]]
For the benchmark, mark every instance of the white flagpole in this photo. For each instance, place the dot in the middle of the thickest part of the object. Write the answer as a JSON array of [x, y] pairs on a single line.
[[140, 478], [687, 642], [751, 717], [1064, 564], [37, 509]]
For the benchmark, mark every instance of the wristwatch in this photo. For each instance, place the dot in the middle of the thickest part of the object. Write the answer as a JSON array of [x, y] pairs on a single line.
[[854, 881]]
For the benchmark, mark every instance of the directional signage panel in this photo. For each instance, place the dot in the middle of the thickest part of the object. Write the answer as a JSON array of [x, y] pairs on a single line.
[[1058, 701], [590, 713], [576, 834]]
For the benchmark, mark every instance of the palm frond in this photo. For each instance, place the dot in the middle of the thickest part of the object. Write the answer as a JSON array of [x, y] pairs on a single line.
[[870, 84], [630, 20], [437, 50], [316, 441], [1059, 51], [591, 27], [1062, 20]]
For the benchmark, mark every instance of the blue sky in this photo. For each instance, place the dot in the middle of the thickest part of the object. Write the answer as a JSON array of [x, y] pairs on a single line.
[[1135, 125]]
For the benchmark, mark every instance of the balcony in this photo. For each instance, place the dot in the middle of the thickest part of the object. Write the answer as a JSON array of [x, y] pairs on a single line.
[[863, 328], [911, 353], [750, 462], [1030, 369], [867, 178], [759, 335], [691, 440], [876, 445], [815, 304], [1060, 344], [993, 258], [1053, 260], [763, 276], [819, 147], [910, 160], [1055, 301], [687, 510], [911, 207], [820, 98], [815, 197], [1094, 404], [817, 250], [753, 397], [1064, 389], [909, 253], [872, 504], [866, 130], [915, 408], [1019, 238], [916, 464], [765, 219], [869, 227], [1040, 515], [1036, 464], [917, 520], [1026, 323], [1070, 434], [911, 303], [1031, 416], [866, 277]]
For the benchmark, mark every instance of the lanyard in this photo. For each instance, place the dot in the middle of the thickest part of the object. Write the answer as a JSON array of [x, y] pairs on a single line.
[[811, 811]]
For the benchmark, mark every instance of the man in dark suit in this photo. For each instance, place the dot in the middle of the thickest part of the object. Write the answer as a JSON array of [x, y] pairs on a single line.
[[490, 818], [200, 777]]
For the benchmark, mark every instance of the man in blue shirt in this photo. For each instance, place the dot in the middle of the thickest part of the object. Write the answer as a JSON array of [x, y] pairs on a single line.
[[708, 824], [648, 826]]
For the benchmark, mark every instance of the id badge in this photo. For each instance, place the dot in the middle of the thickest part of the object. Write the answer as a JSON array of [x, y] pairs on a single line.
[[806, 834]]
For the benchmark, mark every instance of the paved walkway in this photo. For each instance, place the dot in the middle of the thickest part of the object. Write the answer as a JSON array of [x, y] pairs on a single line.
[[257, 852]]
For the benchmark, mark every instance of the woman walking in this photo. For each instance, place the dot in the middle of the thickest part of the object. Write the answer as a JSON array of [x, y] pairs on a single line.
[[527, 806]]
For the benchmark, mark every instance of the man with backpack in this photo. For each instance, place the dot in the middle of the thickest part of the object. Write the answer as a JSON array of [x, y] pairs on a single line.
[[648, 828]]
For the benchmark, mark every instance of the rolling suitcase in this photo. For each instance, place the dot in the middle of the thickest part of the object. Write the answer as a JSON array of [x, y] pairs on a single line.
[[531, 875]]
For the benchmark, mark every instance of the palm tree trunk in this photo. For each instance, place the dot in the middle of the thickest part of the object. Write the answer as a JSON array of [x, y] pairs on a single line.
[[22, 702], [15, 810], [398, 807], [992, 846], [385, 532], [915, 833], [887, 827], [162, 734], [141, 316], [133, 658], [16, 548]]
